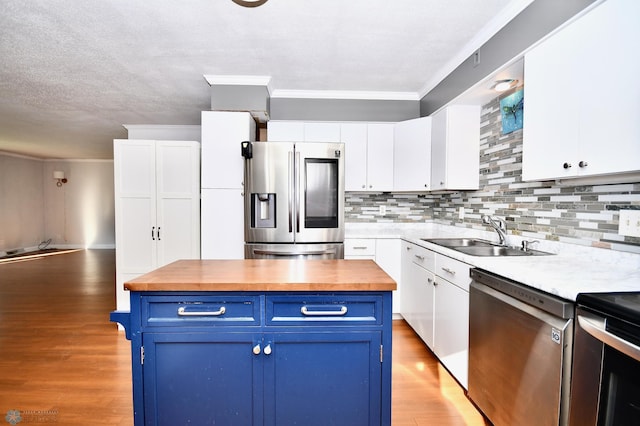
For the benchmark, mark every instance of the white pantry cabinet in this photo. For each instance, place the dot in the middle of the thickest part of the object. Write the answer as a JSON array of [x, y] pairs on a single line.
[[455, 148], [157, 206], [582, 97], [412, 155], [222, 134], [223, 183]]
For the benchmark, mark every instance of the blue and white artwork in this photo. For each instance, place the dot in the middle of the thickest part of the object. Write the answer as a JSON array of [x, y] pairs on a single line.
[[511, 108]]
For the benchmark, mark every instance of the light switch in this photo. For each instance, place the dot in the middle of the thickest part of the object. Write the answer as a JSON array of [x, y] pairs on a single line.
[[629, 223]]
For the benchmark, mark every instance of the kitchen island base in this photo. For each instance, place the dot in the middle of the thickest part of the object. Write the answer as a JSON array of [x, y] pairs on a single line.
[[260, 357]]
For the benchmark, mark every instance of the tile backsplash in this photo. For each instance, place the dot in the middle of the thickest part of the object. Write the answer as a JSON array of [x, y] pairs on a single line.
[[585, 215]]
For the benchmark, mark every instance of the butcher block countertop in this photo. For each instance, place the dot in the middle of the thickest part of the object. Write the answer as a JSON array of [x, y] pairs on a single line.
[[265, 275]]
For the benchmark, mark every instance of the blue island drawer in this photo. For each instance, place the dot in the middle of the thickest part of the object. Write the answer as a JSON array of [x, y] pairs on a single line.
[[159, 311], [322, 310]]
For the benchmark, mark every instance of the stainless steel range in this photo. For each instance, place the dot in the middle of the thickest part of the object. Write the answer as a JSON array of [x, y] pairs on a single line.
[[605, 388]]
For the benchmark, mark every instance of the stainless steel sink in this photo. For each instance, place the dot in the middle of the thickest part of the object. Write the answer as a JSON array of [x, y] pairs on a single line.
[[459, 242], [477, 247]]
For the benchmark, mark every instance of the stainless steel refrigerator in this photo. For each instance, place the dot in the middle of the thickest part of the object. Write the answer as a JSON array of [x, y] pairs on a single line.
[[294, 200]]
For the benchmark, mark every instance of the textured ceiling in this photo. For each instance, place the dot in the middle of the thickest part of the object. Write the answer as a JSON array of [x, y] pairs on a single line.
[[71, 73]]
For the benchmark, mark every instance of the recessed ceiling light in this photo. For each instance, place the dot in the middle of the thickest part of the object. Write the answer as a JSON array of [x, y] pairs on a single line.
[[502, 85]]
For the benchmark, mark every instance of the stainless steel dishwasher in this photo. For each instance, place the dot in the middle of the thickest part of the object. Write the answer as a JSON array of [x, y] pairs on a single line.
[[520, 343]]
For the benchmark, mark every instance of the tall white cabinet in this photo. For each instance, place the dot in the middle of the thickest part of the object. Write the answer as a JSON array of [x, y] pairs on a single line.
[[157, 206], [223, 182]]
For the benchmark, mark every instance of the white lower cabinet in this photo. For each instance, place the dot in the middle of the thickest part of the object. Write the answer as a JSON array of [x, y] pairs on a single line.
[[385, 252], [223, 226], [435, 303], [418, 290], [451, 316]]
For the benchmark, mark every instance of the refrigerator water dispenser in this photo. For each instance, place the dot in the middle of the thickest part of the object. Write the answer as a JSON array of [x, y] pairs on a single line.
[[263, 210]]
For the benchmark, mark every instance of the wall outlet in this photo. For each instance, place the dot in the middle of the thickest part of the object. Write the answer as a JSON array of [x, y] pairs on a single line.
[[460, 212], [629, 223], [383, 210]]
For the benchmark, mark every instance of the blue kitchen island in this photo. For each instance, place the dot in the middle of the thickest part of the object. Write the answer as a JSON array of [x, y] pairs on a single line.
[[261, 342]]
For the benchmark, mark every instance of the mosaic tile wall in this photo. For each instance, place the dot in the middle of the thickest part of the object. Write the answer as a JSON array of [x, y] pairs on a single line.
[[585, 215]]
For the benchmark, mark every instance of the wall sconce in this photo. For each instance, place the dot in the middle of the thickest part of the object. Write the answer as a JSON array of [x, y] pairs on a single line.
[[59, 175], [503, 85]]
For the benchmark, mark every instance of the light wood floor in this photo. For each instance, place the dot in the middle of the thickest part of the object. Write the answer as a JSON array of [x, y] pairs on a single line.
[[61, 358]]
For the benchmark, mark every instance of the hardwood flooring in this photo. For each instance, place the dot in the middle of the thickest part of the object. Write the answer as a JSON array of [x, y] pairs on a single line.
[[62, 361]]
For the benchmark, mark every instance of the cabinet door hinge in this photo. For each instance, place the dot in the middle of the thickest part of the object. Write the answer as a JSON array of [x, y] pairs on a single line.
[[381, 354], [141, 355]]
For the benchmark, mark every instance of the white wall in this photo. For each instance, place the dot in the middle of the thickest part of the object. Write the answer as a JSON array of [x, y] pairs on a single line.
[[21, 202], [80, 214], [81, 211]]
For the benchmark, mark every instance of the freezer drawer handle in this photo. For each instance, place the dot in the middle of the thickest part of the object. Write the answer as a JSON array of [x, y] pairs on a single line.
[[294, 253], [596, 328], [305, 311], [184, 313]]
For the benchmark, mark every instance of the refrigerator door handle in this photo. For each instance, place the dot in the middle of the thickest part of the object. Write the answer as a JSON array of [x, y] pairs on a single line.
[[297, 189], [291, 190], [294, 253]]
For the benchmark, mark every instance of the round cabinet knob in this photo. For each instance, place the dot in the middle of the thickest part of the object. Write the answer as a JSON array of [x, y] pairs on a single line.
[[364, 186], [426, 185], [370, 186], [583, 164], [567, 165], [256, 349], [267, 350]]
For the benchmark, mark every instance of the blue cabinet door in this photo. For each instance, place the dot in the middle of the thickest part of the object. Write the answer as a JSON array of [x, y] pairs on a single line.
[[202, 379], [323, 378]]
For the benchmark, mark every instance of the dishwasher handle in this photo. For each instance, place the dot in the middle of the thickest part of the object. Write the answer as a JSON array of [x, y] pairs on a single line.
[[596, 327]]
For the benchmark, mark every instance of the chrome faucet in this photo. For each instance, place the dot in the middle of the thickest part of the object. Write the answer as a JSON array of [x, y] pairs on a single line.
[[499, 225]]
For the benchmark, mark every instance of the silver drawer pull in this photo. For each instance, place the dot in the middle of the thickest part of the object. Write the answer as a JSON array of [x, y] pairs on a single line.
[[183, 313], [360, 247], [307, 312], [419, 257], [452, 272]]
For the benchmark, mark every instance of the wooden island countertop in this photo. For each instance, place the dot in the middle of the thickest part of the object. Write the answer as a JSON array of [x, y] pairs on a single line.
[[265, 275]]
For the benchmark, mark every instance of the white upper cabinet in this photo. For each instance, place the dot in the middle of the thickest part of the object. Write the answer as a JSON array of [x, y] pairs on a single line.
[[321, 132], [455, 148], [380, 156], [582, 97], [412, 155], [368, 148], [285, 131], [222, 134], [354, 136]]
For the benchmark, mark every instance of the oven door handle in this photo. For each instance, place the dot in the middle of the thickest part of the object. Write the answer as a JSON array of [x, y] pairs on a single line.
[[596, 328]]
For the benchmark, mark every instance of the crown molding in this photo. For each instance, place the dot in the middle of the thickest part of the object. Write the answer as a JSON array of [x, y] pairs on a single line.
[[345, 94]]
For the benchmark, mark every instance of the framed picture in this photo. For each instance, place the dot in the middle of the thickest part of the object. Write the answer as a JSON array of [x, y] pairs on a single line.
[[511, 109]]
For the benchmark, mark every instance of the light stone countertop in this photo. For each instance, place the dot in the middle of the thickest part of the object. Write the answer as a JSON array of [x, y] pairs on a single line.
[[571, 270]]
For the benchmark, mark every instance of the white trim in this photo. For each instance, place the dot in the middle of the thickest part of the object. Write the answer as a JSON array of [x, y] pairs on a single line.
[[345, 94], [77, 160], [239, 80], [160, 126], [498, 22]]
